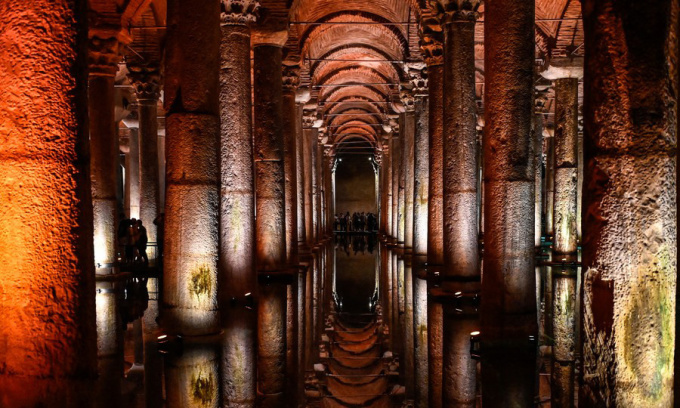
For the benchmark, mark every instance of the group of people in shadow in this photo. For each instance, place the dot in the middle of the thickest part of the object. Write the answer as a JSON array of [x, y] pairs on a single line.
[[357, 222]]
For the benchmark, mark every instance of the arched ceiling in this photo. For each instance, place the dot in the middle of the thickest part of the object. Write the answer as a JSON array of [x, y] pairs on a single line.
[[352, 53]]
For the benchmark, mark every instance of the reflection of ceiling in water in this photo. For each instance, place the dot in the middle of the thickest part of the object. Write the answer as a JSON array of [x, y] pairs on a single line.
[[356, 261]]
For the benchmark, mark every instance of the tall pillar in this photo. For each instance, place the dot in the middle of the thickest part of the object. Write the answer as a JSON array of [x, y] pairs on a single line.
[[309, 134], [270, 224], [461, 272], [191, 98], [508, 309], [237, 206], [565, 240], [401, 185], [132, 175], [408, 100], [146, 81], [388, 186], [431, 45], [48, 330], [313, 165], [318, 179], [104, 55], [396, 165], [421, 144], [302, 96], [291, 123], [630, 208]]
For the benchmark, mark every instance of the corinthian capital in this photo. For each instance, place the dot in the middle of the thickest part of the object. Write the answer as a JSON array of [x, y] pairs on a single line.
[[431, 41], [449, 11], [408, 97], [417, 76], [104, 54], [239, 12], [146, 80], [291, 77], [308, 119]]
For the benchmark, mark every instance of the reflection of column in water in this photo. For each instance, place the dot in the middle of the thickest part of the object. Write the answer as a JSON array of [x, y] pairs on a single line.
[[564, 328], [191, 377], [420, 330], [460, 369], [435, 352], [409, 346], [153, 364], [109, 343], [509, 376]]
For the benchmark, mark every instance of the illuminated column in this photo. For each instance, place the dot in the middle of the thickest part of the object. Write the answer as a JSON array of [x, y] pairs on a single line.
[[565, 240], [401, 185], [103, 57], [313, 161], [318, 178], [408, 100], [191, 98], [327, 176], [237, 206], [270, 226], [309, 134], [396, 165], [291, 123], [302, 96], [549, 146], [539, 104], [146, 81], [431, 45], [387, 165], [630, 214], [110, 343], [508, 308], [132, 173], [48, 329]]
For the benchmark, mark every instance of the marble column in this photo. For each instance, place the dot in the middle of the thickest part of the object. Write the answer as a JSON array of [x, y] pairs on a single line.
[[309, 134], [237, 206], [432, 47], [48, 329], [104, 55], [408, 100], [419, 82], [302, 96], [270, 224], [396, 165], [191, 99], [630, 205], [132, 174], [146, 81], [508, 308]]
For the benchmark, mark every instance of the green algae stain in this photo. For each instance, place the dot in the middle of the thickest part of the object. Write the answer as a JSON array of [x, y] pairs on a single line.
[[201, 281], [203, 389]]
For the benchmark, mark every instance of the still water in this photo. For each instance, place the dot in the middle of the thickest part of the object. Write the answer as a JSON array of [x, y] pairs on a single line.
[[373, 332]]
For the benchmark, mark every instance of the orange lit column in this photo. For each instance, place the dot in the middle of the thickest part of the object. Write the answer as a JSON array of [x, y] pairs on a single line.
[[420, 209], [191, 98], [270, 224], [313, 161], [387, 190], [302, 96], [146, 81], [396, 165], [565, 241], [630, 208], [309, 134], [104, 55], [47, 303], [508, 309], [461, 272], [238, 277], [431, 45], [318, 177], [291, 122]]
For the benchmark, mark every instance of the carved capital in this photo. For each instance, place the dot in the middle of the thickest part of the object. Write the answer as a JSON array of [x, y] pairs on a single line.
[[146, 80], [308, 119], [291, 77], [451, 11], [417, 74], [407, 96], [431, 42], [104, 54], [239, 12]]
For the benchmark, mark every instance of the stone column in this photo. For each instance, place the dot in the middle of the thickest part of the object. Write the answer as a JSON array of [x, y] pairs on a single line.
[[301, 98], [146, 81], [396, 165], [508, 309], [313, 165], [401, 185], [431, 45], [192, 376], [549, 147], [630, 203], [191, 98], [291, 123], [104, 54], [309, 134], [387, 164], [407, 159], [270, 226], [461, 272], [565, 240], [318, 182], [237, 206], [132, 174], [48, 329]]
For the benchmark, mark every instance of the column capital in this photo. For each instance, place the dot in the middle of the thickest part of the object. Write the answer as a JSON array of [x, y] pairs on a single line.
[[308, 119], [146, 81], [417, 73], [451, 11], [104, 51], [563, 68], [407, 96], [291, 77], [431, 42], [238, 12]]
